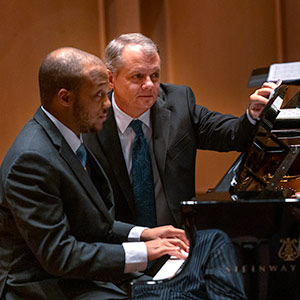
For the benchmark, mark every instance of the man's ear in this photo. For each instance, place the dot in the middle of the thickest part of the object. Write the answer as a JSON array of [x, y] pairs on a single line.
[[111, 79], [64, 97]]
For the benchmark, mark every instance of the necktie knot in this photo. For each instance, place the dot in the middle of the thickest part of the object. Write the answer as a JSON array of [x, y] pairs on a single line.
[[136, 125], [82, 154]]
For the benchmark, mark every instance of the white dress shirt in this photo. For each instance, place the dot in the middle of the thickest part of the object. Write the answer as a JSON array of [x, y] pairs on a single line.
[[135, 251], [252, 121], [127, 135]]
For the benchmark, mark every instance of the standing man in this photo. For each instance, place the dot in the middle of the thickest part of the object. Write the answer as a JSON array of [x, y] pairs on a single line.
[[58, 236], [173, 126]]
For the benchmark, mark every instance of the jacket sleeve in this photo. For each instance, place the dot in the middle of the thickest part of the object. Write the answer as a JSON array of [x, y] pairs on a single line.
[[32, 193], [216, 131]]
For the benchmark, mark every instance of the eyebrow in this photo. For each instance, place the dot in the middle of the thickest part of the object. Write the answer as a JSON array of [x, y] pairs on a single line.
[[143, 71], [97, 73], [102, 86]]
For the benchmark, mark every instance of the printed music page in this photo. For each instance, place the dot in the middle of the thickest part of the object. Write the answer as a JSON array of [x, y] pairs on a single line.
[[284, 71]]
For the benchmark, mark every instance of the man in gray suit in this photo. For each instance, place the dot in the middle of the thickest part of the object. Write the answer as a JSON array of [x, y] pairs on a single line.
[[59, 239], [174, 126]]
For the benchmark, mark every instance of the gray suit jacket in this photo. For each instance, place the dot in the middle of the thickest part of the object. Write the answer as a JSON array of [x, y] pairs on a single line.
[[179, 127], [57, 234]]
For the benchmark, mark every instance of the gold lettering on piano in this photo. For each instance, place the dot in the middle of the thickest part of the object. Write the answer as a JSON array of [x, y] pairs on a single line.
[[273, 268], [262, 268], [288, 250]]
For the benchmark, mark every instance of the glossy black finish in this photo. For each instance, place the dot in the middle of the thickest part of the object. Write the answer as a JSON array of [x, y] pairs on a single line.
[[265, 235]]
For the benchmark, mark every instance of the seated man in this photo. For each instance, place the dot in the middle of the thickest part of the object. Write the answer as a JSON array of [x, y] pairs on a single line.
[[59, 239]]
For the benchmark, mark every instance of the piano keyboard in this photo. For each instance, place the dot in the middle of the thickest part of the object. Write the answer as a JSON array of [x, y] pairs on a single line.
[[169, 269]]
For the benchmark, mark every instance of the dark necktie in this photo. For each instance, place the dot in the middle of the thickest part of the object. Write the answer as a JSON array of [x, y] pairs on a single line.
[[142, 178], [82, 155]]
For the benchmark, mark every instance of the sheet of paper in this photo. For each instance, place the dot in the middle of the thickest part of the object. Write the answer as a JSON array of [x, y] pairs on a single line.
[[284, 71], [289, 114]]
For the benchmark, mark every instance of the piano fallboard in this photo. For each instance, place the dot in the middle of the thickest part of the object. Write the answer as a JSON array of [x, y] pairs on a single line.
[[265, 235]]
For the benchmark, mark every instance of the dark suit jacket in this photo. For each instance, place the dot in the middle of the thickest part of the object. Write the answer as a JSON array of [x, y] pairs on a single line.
[[55, 228], [179, 127]]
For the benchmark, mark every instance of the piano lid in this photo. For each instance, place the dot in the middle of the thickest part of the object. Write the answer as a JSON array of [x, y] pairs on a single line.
[[270, 166]]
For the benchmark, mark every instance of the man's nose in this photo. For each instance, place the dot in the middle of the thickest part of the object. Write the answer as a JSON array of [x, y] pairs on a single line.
[[106, 103], [148, 82]]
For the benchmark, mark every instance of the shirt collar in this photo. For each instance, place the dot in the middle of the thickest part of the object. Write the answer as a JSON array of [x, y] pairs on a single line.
[[123, 120], [70, 137]]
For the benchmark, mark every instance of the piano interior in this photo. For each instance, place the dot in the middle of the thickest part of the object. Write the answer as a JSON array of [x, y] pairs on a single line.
[[270, 168]]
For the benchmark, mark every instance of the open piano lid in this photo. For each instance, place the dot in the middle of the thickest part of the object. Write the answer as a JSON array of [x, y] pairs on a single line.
[[269, 168]]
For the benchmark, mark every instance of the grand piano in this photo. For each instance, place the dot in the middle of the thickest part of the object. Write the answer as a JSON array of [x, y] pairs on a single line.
[[257, 203]]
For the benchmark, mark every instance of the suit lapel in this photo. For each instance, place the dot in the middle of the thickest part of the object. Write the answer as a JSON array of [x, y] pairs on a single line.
[[109, 139], [161, 128], [69, 156], [84, 178]]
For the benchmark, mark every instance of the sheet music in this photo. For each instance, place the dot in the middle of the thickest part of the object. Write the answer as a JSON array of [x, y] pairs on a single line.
[[289, 114], [284, 71]]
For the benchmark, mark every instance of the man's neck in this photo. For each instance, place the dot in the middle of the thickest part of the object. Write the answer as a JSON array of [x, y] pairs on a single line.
[[70, 136]]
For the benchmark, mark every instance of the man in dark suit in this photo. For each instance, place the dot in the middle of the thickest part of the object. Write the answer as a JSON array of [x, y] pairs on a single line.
[[174, 126], [59, 239]]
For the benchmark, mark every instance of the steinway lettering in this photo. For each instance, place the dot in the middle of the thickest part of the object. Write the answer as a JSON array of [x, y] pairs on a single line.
[[262, 268]]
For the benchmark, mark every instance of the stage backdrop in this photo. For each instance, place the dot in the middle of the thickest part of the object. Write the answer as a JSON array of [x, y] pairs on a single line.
[[210, 45]]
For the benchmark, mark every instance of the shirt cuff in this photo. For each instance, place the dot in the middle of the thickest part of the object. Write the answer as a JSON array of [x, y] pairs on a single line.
[[135, 256], [251, 120], [135, 233]]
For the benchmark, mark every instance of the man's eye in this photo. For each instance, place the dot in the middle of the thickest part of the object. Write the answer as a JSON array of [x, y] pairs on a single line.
[[137, 76], [100, 94], [155, 76]]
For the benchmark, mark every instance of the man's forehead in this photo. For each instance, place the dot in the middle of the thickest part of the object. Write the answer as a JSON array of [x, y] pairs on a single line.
[[96, 72], [135, 52], [138, 60]]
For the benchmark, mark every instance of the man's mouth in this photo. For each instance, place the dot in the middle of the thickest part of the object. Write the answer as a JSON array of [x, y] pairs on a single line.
[[146, 96]]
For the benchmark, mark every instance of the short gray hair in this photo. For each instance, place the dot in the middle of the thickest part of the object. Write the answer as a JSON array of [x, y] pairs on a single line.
[[113, 51]]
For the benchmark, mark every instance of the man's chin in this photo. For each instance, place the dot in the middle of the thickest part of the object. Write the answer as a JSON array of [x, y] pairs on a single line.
[[92, 129], [147, 102], [96, 128]]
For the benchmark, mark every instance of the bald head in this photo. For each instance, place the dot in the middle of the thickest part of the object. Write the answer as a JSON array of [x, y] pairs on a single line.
[[63, 68]]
